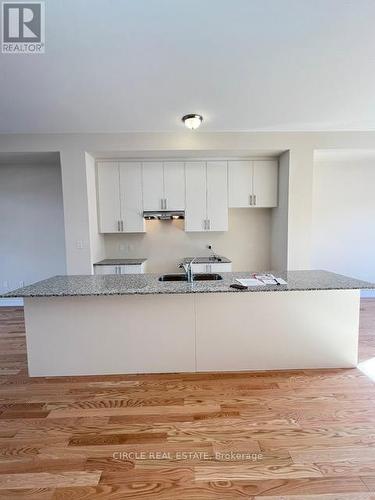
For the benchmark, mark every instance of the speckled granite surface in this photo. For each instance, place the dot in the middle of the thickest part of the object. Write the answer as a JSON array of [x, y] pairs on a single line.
[[218, 259], [120, 262], [130, 284]]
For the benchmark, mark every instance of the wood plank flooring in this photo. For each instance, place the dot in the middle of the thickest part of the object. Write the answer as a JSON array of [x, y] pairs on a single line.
[[296, 435]]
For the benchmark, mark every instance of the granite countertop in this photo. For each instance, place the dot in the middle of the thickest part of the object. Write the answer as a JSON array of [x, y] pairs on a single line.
[[131, 284], [217, 259], [120, 262]]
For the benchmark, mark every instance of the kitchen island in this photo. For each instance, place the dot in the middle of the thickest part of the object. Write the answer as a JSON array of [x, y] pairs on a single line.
[[90, 325]]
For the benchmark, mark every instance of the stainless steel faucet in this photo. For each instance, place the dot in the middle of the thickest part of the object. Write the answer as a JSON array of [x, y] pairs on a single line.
[[188, 270]]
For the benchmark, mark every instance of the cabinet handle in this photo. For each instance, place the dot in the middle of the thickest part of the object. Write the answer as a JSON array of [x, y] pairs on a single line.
[[118, 225], [165, 203], [255, 199], [250, 199], [208, 224], [122, 225]]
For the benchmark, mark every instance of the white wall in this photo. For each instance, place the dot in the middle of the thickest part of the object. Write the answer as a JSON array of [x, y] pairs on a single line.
[[279, 227], [247, 243], [72, 148], [32, 244], [97, 245], [343, 235]]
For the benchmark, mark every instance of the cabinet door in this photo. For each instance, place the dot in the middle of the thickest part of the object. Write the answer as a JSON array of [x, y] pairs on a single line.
[[199, 268], [174, 185], [217, 196], [240, 183], [196, 202], [131, 197], [106, 269], [153, 185], [108, 197], [131, 269], [265, 183], [226, 267]]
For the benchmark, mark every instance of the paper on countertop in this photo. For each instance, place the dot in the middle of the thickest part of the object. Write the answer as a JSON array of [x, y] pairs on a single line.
[[250, 282], [261, 280], [270, 279]]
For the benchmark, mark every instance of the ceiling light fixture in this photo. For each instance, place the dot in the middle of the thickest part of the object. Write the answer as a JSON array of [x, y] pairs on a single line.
[[192, 121]]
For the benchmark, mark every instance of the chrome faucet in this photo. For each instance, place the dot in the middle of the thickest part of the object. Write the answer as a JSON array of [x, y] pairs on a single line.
[[188, 270]]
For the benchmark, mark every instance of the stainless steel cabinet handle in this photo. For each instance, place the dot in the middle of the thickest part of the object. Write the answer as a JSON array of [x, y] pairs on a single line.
[[122, 225], [208, 224], [255, 199], [165, 203], [250, 199], [118, 225]]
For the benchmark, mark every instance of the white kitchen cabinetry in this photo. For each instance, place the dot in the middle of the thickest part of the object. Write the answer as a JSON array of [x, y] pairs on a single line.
[[174, 185], [163, 185], [252, 183], [265, 182], [108, 176], [120, 197], [217, 267], [206, 196], [121, 269]]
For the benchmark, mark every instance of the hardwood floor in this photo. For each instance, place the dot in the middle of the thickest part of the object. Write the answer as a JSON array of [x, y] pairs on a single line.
[[297, 435]]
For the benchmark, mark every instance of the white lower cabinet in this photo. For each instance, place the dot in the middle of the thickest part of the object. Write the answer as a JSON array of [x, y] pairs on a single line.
[[225, 267], [206, 196], [123, 269]]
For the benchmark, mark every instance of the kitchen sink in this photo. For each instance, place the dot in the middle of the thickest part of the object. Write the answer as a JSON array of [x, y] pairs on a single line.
[[197, 277]]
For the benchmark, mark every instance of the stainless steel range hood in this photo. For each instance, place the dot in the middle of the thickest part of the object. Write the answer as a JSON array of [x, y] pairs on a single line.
[[163, 214]]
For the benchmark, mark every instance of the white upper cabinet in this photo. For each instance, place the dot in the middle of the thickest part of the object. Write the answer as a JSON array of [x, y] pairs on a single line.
[[163, 186], [153, 185], [109, 197], [240, 183], [196, 196], [252, 183], [265, 182], [217, 195], [120, 197], [132, 220], [174, 185], [206, 196]]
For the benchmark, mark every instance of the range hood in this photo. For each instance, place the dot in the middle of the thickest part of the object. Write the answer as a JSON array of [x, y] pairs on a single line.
[[163, 214]]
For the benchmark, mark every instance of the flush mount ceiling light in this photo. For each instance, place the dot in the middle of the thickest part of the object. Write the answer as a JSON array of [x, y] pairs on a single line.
[[192, 121]]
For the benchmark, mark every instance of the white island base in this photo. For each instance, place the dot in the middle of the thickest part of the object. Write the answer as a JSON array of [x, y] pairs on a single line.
[[191, 332]]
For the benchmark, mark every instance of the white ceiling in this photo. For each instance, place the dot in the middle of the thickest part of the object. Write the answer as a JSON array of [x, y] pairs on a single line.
[[139, 65], [46, 158]]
